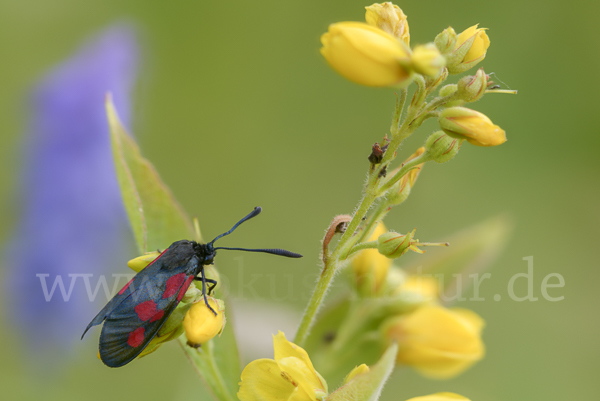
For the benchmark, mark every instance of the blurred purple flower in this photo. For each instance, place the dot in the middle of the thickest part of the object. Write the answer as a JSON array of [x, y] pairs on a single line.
[[72, 217]]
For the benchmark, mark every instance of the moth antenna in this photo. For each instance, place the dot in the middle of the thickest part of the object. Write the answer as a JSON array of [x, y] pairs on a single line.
[[280, 252], [252, 214]]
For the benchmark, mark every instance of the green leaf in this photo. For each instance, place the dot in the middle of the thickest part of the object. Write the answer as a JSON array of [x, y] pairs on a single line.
[[157, 220], [368, 386], [472, 250]]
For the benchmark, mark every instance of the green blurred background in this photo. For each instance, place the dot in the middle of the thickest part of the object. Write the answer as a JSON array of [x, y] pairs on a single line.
[[236, 108]]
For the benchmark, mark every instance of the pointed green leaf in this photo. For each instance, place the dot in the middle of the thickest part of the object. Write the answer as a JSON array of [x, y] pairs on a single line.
[[368, 386], [157, 220]]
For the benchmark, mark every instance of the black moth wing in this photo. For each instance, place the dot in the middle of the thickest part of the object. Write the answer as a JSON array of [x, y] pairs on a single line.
[[129, 328], [135, 315], [125, 292]]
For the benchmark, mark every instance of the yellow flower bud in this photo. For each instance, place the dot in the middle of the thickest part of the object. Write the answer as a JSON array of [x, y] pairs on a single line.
[[390, 18], [471, 47], [436, 341], [370, 268], [440, 397], [427, 60], [400, 191], [141, 262], [201, 324], [359, 370], [480, 44], [441, 147], [475, 127], [366, 55]]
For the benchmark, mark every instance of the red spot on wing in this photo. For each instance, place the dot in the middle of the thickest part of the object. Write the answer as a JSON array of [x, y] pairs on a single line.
[[147, 310], [126, 286], [184, 288], [136, 337], [173, 285], [157, 316]]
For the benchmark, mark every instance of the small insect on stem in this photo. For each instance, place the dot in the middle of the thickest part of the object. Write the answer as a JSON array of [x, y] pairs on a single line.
[[134, 316]]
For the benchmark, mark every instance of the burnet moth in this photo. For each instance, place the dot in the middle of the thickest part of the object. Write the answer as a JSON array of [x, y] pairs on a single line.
[[135, 315]]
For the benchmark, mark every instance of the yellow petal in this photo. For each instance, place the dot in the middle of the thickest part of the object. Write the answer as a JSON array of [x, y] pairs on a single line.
[[370, 264], [466, 34], [473, 320], [262, 380], [141, 262], [390, 18], [437, 341], [440, 397], [286, 349], [427, 287], [302, 375], [365, 54], [480, 44], [359, 370]]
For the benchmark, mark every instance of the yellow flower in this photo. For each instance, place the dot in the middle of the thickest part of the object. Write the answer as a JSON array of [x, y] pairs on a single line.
[[290, 376], [440, 397], [471, 47], [370, 268], [436, 341], [475, 127], [141, 262], [390, 18], [480, 44], [426, 288], [427, 60], [201, 324], [365, 54]]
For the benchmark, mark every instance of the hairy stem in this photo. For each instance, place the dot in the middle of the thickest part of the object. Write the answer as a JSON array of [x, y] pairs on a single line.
[[416, 113], [203, 361]]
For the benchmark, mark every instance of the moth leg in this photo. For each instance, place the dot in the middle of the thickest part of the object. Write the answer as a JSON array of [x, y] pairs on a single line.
[[204, 280], [212, 283]]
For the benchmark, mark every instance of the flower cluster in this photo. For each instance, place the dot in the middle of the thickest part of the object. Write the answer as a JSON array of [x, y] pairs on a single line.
[[391, 309], [390, 317]]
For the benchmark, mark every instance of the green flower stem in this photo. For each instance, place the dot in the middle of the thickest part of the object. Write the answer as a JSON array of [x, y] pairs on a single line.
[[411, 164], [363, 245], [203, 361], [421, 91], [331, 266], [400, 101], [334, 263], [382, 209], [373, 190], [315, 302]]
